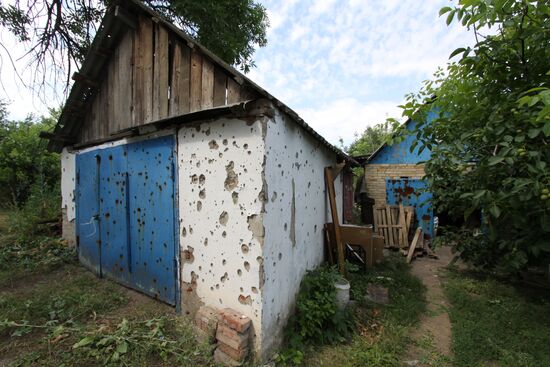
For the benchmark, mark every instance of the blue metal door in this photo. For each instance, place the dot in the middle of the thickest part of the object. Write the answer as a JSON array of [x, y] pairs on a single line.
[[87, 210], [115, 254], [125, 211], [412, 192], [151, 217]]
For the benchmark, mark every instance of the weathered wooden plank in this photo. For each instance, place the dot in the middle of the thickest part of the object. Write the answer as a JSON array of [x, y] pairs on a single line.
[[414, 243], [207, 84], [124, 82], [389, 221], [160, 71], [102, 116], [329, 179], [143, 73], [402, 227], [179, 92], [196, 81], [233, 91], [112, 93], [220, 87]]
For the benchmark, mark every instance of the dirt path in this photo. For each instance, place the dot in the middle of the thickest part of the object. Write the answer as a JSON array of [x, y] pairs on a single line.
[[431, 344]]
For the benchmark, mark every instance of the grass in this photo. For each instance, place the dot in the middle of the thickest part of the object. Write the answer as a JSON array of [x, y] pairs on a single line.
[[497, 324], [55, 313], [23, 253], [381, 335]]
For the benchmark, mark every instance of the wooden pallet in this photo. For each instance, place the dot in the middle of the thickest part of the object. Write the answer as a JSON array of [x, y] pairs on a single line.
[[393, 222]]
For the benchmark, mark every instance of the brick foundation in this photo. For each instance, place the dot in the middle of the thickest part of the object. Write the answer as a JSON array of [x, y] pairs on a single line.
[[229, 329]]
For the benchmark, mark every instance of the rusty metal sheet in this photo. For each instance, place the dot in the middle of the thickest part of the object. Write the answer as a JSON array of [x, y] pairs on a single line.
[[412, 192]]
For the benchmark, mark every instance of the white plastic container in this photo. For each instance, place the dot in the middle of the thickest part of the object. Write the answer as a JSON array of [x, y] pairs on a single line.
[[342, 293]]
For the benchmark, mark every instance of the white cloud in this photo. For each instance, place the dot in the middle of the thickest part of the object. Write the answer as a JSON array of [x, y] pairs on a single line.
[[345, 64], [321, 6], [344, 118]]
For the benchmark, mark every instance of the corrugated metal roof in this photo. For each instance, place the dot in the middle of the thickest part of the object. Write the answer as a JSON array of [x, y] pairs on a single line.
[[112, 28]]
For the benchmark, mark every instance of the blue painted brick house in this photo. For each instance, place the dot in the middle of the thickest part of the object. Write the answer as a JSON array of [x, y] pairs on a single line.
[[395, 175]]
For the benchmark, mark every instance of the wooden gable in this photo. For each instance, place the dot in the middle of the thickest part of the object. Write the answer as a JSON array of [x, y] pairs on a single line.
[[153, 74]]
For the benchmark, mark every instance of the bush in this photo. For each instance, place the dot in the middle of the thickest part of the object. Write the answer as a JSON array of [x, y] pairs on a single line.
[[317, 320], [24, 159], [43, 205], [489, 136]]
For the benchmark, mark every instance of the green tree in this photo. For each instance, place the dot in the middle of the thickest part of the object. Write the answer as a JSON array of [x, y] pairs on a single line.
[[59, 32], [371, 139], [490, 143], [26, 167]]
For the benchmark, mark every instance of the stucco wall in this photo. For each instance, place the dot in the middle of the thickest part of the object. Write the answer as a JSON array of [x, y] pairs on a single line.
[[295, 211], [220, 169], [68, 184], [376, 174]]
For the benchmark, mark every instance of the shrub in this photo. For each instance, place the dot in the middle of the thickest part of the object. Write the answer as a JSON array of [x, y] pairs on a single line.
[[317, 320]]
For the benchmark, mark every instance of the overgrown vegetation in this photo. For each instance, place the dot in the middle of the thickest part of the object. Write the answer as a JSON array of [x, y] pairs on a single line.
[[490, 151], [26, 167], [317, 320], [497, 324], [372, 334], [55, 313], [29, 199]]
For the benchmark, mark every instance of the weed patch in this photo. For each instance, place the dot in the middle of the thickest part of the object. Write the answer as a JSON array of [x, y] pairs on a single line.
[[379, 334], [69, 299]]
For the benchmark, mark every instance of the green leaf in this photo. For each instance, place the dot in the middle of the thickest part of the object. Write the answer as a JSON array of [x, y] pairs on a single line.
[[545, 97], [479, 194], [524, 100], [495, 160], [494, 210], [444, 10], [546, 129], [456, 52], [533, 101], [535, 90], [83, 342], [122, 348], [450, 17], [533, 133]]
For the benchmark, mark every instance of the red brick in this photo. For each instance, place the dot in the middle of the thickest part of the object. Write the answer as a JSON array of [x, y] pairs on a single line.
[[223, 359], [231, 338], [236, 354], [206, 320], [235, 320]]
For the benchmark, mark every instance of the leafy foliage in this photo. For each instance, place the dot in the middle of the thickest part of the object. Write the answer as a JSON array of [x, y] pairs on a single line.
[[133, 341], [229, 28], [317, 320], [59, 32], [371, 139], [380, 332], [490, 150], [26, 167]]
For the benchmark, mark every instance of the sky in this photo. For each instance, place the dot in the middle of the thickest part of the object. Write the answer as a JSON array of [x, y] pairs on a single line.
[[341, 65]]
